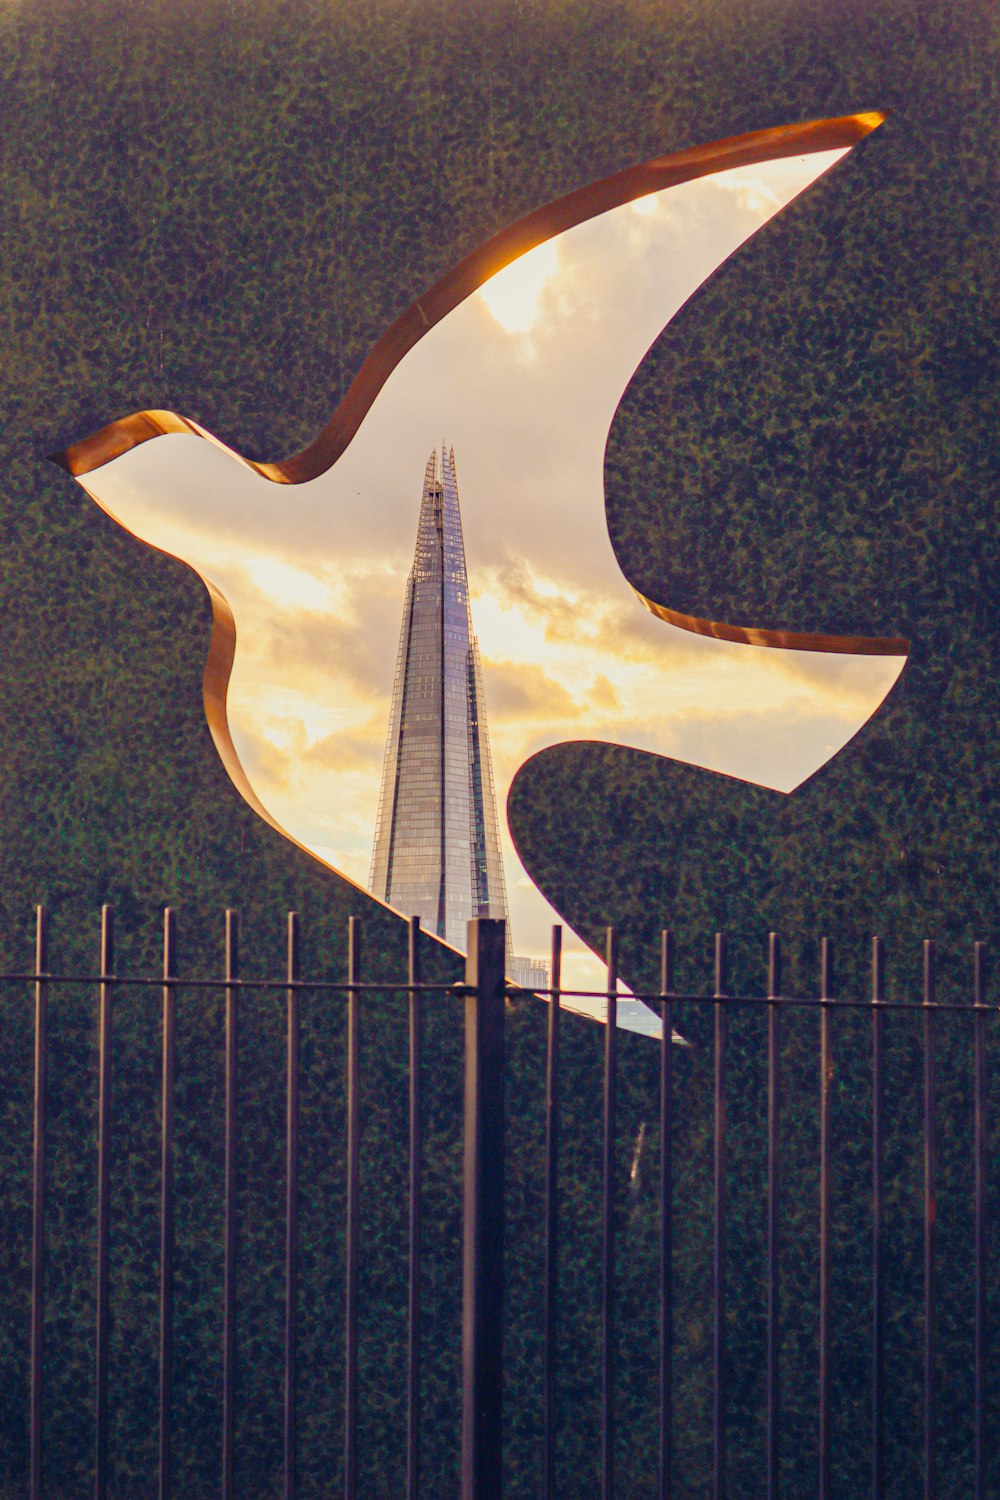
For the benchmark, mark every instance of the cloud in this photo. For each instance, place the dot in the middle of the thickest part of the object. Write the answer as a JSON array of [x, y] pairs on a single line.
[[521, 690], [605, 693], [265, 764], [617, 625], [351, 751], [355, 646]]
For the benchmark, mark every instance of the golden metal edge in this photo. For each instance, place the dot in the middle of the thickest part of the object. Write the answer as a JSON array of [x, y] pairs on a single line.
[[120, 436], [463, 279], [785, 640]]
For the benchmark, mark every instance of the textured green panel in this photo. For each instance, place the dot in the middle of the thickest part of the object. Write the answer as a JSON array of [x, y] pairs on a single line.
[[217, 208]]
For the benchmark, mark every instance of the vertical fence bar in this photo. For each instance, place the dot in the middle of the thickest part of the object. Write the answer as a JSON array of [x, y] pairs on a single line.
[[666, 1214], [719, 1231], [229, 1208], [293, 970], [878, 1221], [416, 1167], [167, 1087], [353, 1216], [825, 1143], [979, 1251], [482, 1239], [38, 1198], [608, 1225], [103, 1203], [773, 1216], [551, 1215], [930, 1228]]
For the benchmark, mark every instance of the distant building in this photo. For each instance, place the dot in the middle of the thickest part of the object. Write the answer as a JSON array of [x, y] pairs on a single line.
[[437, 846], [529, 973]]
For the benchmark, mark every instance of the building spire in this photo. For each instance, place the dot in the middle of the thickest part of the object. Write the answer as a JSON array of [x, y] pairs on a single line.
[[437, 844]]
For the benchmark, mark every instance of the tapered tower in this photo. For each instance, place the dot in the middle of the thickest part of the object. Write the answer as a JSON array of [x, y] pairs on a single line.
[[437, 847]]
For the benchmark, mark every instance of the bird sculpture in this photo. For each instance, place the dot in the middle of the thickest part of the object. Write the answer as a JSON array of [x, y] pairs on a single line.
[[521, 354]]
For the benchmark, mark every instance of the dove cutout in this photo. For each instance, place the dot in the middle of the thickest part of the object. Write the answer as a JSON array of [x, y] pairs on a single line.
[[519, 357]]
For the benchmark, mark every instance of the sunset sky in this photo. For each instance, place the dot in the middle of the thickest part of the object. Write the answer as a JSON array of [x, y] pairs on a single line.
[[522, 380]]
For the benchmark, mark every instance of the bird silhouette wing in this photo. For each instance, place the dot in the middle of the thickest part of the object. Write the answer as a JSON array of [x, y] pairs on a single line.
[[537, 395], [544, 226]]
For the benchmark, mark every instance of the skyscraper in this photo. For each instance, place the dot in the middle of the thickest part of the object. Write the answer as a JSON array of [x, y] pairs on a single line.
[[437, 847]]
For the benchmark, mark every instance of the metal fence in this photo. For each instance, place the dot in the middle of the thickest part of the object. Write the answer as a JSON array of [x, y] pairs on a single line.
[[485, 992]]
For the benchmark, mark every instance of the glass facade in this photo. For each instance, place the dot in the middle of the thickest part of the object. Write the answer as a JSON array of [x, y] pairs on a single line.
[[530, 973], [437, 846]]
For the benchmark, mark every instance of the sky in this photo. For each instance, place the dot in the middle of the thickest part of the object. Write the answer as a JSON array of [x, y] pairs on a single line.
[[522, 380]]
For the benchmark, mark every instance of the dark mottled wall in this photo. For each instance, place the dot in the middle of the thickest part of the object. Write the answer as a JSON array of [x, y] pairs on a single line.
[[216, 208]]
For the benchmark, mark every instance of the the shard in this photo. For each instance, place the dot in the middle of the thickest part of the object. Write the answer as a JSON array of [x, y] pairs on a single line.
[[437, 847]]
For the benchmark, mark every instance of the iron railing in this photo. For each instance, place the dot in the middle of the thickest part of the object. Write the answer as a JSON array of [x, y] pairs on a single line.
[[482, 1377]]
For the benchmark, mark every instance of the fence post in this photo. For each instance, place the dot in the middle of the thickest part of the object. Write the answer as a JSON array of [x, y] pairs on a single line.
[[930, 1227], [482, 1256], [416, 1226], [608, 1223], [38, 1196], [551, 1218], [666, 1371], [878, 1220], [825, 1190], [773, 1217], [101, 1352], [229, 1206], [981, 1451], [719, 1227], [293, 1037], [353, 1213], [167, 1163]]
